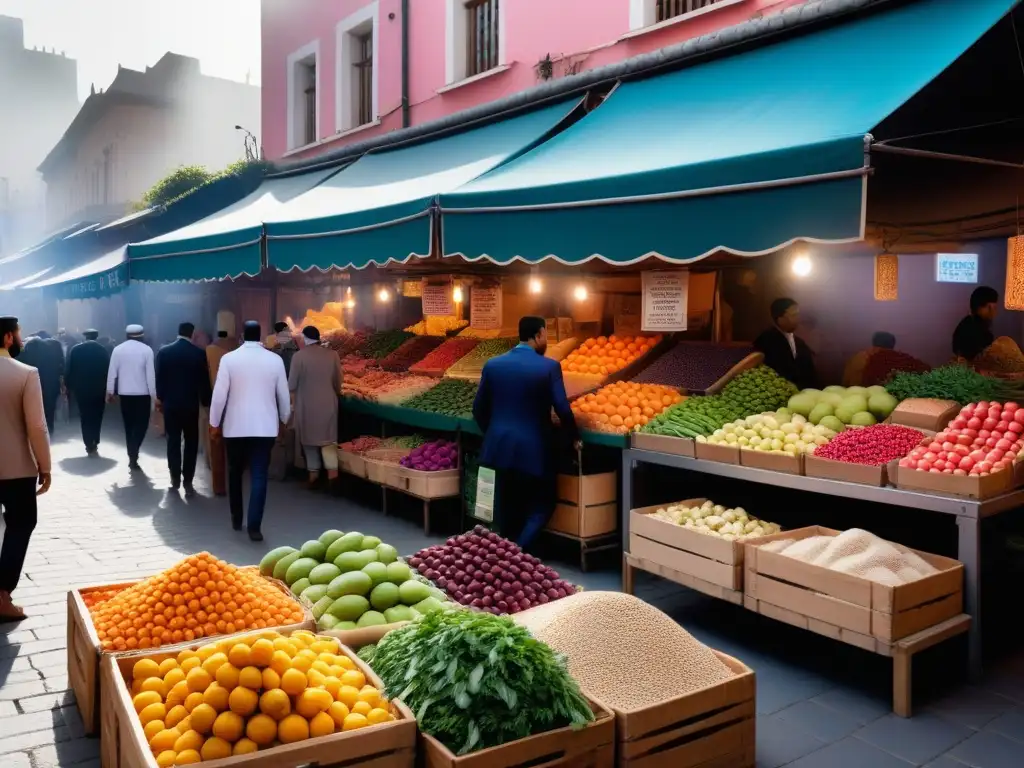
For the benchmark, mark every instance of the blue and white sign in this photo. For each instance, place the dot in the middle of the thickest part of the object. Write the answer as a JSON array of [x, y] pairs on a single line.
[[956, 267]]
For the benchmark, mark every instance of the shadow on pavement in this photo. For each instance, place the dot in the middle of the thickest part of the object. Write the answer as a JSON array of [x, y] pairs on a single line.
[[86, 466]]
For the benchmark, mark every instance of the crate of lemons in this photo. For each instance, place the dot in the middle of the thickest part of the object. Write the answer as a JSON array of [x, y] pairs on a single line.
[[251, 693]]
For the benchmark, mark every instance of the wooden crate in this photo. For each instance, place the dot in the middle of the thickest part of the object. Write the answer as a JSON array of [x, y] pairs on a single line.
[[675, 446], [712, 726], [971, 486], [846, 472], [388, 745], [357, 638], [590, 747], [588, 505], [708, 558], [380, 462], [724, 454], [775, 462], [84, 656], [849, 602], [352, 463], [441, 484]]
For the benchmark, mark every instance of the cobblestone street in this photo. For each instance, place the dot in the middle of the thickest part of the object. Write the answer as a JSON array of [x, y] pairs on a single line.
[[819, 704]]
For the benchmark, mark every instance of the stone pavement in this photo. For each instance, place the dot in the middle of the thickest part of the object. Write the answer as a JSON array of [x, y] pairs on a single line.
[[820, 704]]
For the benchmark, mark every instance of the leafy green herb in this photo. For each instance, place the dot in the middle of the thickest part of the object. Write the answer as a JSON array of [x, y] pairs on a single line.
[[475, 680], [951, 382]]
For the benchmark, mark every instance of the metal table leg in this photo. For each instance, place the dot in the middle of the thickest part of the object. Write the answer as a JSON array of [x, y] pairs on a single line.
[[426, 517], [969, 553], [627, 493]]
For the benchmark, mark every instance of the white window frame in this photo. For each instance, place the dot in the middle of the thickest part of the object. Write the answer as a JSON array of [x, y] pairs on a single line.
[[455, 64], [643, 14], [347, 28], [294, 59]]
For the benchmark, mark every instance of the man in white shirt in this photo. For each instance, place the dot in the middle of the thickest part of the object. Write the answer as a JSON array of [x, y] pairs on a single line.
[[250, 403], [132, 379]]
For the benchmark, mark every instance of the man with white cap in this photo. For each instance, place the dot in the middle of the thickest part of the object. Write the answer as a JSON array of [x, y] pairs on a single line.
[[132, 379]]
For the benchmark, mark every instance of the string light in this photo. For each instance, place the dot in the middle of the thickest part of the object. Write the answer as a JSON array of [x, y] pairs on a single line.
[[580, 292], [536, 286], [384, 294], [457, 294], [802, 265]]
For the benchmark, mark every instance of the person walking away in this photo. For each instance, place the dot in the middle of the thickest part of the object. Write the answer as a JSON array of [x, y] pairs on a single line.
[[315, 382], [132, 379], [86, 378], [182, 388], [973, 335], [783, 350], [43, 354], [513, 405], [284, 344], [250, 404], [26, 461], [216, 453]]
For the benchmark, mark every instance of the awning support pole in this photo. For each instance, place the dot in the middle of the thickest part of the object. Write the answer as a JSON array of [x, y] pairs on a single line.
[[928, 154]]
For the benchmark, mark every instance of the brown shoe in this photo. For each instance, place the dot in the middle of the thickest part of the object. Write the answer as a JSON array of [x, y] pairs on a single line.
[[8, 610]]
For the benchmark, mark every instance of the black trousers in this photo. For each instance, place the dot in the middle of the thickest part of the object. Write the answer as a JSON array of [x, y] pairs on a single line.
[[135, 410], [50, 397], [90, 410], [523, 505], [18, 499], [178, 424]]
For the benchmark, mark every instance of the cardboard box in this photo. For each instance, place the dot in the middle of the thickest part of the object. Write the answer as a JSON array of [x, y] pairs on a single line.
[[844, 471], [850, 602], [705, 557], [352, 463], [971, 486], [775, 462], [940, 413], [712, 726], [588, 505], [675, 446], [589, 747], [441, 484], [724, 454], [388, 745]]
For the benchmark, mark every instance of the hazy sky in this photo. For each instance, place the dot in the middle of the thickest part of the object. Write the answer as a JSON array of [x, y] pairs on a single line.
[[223, 34]]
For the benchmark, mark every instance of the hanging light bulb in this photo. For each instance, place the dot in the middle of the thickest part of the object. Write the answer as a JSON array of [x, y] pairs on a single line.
[[580, 292], [457, 294], [384, 295], [802, 265], [536, 286]]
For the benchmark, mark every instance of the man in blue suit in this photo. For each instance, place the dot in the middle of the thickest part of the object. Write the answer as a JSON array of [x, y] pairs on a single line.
[[517, 393], [182, 386]]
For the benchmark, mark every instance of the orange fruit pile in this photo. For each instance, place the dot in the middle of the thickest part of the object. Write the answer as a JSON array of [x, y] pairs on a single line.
[[623, 406], [244, 694], [96, 596], [199, 597], [607, 354]]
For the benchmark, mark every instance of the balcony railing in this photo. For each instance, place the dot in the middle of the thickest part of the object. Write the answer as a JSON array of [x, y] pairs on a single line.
[[669, 9], [482, 53]]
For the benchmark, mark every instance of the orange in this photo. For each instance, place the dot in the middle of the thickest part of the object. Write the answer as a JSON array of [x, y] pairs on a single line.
[[271, 679], [144, 699], [293, 728], [229, 726], [315, 679], [227, 676], [175, 715], [240, 655], [203, 717], [217, 697], [198, 680], [243, 701], [361, 708], [322, 724], [189, 740], [152, 728], [349, 695], [354, 677], [185, 725], [193, 700], [189, 664], [354, 721], [188, 757], [312, 701], [250, 677], [294, 682], [245, 747], [152, 712], [261, 653], [338, 712], [164, 740], [145, 668], [370, 695], [166, 758], [215, 749], [281, 662], [276, 704], [377, 716], [261, 729], [174, 677]]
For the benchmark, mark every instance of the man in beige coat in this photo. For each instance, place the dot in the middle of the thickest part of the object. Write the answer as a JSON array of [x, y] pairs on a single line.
[[26, 461], [315, 382]]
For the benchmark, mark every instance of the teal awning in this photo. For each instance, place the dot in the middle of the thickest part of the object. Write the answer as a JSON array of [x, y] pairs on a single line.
[[226, 244], [742, 154], [378, 209], [96, 279]]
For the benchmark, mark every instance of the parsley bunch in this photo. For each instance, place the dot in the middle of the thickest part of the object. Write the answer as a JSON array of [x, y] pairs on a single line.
[[475, 680]]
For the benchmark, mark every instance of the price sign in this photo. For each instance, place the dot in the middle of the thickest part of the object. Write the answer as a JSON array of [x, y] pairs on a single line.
[[485, 307], [665, 301], [437, 300], [956, 267]]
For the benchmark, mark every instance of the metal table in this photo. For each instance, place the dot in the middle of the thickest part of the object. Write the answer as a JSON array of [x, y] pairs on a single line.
[[968, 512]]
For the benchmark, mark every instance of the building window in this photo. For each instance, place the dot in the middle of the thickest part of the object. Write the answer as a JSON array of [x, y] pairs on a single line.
[[669, 9], [645, 13], [482, 36], [356, 72], [475, 32], [303, 96]]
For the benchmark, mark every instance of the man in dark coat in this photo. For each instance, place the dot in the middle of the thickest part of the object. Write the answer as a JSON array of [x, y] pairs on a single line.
[[46, 355], [973, 335], [517, 393], [86, 380], [182, 388], [783, 350]]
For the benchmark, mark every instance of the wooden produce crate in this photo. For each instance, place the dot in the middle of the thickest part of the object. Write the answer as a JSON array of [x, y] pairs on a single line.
[[381, 463], [707, 558], [352, 463], [441, 484], [971, 486], [357, 638], [708, 728], [925, 413], [388, 745], [84, 655], [775, 462], [847, 472], [675, 446], [588, 505], [724, 454], [589, 747], [856, 605]]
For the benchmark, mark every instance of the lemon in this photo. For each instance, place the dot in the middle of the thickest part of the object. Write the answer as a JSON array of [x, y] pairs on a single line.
[[227, 676], [189, 740], [354, 677], [312, 701], [283, 644], [166, 666], [193, 700], [261, 653], [185, 725], [215, 749], [348, 695], [354, 721], [152, 728], [250, 677], [203, 717], [301, 663], [243, 701], [322, 724], [177, 694], [377, 716], [293, 728], [346, 663], [322, 667], [370, 695], [280, 662], [174, 677], [293, 682], [192, 662], [215, 662], [166, 758], [276, 704], [271, 679], [240, 655], [316, 679], [144, 699], [152, 712], [198, 680], [262, 730], [164, 740], [245, 747], [183, 656], [175, 715], [228, 726], [145, 668], [217, 697], [361, 708], [204, 652], [188, 757]]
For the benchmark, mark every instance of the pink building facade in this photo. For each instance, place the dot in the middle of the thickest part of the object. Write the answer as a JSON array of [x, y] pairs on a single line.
[[333, 69]]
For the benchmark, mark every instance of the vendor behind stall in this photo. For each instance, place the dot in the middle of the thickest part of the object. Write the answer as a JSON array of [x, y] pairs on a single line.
[[783, 350], [974, 333], [853, 373]]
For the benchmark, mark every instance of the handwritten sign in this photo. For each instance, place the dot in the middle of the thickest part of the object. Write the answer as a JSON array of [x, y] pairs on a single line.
[[485, 307], [665, 301], [437, 300], [956, 267]]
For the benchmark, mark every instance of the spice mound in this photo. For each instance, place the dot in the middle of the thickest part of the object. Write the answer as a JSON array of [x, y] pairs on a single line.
[[603, 631]]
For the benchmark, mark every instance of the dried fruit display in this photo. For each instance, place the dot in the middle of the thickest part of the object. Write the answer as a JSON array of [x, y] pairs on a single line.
[[472, 364], [383, 343], [445, 356], [437, 325], [345, 343], [693, 366], [411, 352]]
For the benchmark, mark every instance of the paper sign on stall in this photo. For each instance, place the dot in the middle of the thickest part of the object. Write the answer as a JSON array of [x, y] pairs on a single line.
[[956, 267], [484, 509], [665, 301], [628, 315], [412, 289], [437, 300], [485, 307]]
